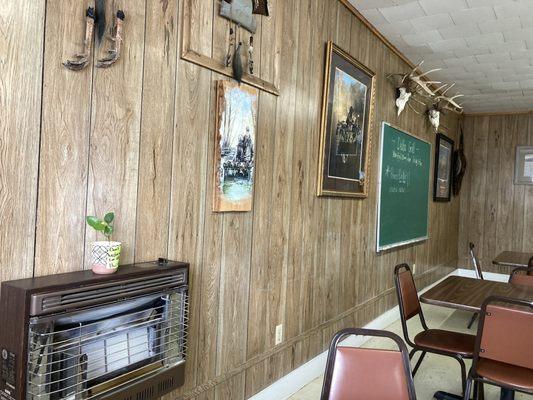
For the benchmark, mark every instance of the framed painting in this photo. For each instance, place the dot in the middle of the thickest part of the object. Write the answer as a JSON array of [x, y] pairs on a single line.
[[346, 125], [235, 130], [524, 165], [442, 186]]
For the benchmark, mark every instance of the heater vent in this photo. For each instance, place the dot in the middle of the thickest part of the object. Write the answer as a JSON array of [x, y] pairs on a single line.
[[98, 294], [165, 385], [145, 394]]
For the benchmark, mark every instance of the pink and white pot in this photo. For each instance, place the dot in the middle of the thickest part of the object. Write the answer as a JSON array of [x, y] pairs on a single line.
[[105, 257]]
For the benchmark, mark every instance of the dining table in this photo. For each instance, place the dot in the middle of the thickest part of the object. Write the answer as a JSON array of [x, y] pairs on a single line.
[[513, 259], [468, 294]]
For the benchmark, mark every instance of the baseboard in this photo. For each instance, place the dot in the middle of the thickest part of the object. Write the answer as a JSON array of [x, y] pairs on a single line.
[[306, 373]]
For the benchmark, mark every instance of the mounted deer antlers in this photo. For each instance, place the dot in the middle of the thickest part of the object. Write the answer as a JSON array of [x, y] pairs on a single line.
[[413, 83], [442, 103], [82, 59], [114, 54]]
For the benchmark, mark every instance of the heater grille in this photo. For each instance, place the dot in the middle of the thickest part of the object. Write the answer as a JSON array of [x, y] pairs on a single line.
[[87, 353], [97, 294]]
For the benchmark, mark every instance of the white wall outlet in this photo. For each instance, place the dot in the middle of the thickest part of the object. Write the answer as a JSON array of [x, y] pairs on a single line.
[[279, 334], [414, 268]]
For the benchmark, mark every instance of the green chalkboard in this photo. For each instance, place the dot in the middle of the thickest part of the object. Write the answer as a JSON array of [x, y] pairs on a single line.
[[403, 198]]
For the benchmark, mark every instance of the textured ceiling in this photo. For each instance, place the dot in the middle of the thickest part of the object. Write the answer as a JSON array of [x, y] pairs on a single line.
[[485, 46]]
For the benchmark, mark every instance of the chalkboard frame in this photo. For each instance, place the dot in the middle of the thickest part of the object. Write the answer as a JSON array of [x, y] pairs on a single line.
[[379, 179]]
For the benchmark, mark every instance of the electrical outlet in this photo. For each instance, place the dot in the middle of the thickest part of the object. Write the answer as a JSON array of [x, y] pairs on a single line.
[[279, 334], [414, 268]]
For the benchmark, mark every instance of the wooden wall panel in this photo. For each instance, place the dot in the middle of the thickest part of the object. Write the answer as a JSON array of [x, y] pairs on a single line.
[[114, 143], [495, 214], [64, 143], [157, 128], [139, 138], [21, 48]]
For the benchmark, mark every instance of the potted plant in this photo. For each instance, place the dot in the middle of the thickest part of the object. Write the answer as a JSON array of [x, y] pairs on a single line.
[[105, 255]]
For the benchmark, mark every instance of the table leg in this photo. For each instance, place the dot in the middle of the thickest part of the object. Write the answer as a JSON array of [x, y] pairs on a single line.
[[507, 394]]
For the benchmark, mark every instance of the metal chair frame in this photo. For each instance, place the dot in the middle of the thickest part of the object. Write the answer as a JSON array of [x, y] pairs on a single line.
[[472, 375], [423, 349], [341, 335]]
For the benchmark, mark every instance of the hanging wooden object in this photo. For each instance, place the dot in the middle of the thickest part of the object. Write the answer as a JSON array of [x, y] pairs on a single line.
[[81, 60]]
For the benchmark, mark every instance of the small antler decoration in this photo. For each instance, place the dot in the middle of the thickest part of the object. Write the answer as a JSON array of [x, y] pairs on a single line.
[[81, 60], [117, 39]]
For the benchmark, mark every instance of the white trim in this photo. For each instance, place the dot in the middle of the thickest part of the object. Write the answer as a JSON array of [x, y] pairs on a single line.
[[308, 372], [490, 276]]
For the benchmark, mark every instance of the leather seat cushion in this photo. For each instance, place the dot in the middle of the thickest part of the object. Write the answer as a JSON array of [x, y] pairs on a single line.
[[499, 372], [447, 341], [368, 374]]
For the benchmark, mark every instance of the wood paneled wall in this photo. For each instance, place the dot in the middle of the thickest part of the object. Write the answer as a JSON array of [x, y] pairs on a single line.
[[138, 139], [496, 214]]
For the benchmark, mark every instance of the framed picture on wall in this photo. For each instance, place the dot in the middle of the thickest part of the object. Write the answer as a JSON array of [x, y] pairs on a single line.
[[234, 166], [442, 186], [524, 165], [346, 126]]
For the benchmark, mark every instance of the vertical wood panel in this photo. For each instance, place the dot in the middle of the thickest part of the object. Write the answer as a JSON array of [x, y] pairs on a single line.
[[495, 213], [157, 128], [21, 59], [114, 151], [64, 153]]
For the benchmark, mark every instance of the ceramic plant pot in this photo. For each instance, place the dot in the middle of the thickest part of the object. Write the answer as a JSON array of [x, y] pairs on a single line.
[[105, 257]]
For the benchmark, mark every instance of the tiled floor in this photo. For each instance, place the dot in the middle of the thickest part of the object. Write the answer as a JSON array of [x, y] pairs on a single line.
[[436, 372]]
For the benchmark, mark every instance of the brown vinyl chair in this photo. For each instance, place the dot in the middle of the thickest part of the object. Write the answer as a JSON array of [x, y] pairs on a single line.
[[522, 276], [479, 272], [503, 354], [355, 373], [446, 343]]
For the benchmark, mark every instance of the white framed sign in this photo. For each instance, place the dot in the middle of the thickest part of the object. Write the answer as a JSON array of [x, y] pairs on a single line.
[[524, 165]]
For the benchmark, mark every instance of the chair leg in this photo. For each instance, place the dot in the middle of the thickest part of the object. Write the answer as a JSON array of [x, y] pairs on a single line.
[[480, 391], [420, 359], [463, 372], [467, 389], [474, 317], [412, 353]]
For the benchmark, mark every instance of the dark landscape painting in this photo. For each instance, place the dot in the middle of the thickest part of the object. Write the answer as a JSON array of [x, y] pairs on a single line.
[[347, 122], [345, 134]]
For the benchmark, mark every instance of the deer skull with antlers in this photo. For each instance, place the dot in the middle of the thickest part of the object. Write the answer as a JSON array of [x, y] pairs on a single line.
[[412, 83], [441, 103]]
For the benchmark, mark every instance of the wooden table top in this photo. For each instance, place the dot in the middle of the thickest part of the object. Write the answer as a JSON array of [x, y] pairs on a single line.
[[512, 259], [468, 293]]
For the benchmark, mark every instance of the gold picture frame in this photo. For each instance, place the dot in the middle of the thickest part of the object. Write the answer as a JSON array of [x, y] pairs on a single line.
[[346, 125]]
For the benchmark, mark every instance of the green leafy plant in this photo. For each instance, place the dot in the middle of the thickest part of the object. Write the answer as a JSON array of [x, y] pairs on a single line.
[[102, 225]]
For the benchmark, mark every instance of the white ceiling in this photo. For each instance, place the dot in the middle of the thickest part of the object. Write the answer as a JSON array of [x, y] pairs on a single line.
[[486, 46]]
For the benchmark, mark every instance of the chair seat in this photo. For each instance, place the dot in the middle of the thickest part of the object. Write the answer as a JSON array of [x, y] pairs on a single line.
[[506, 374], [447, 341]]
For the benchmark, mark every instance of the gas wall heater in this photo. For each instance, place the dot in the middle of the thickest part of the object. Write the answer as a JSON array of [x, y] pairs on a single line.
[[80, 336]]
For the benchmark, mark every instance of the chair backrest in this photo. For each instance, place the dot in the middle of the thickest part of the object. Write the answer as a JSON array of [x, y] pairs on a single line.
[[475, 260], [522, 276], [367, 374], [406, 292], [504, 333]]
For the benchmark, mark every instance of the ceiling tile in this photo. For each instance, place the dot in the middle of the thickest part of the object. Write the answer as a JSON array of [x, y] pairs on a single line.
[[486, 46], [440, 6], [402, 12]]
